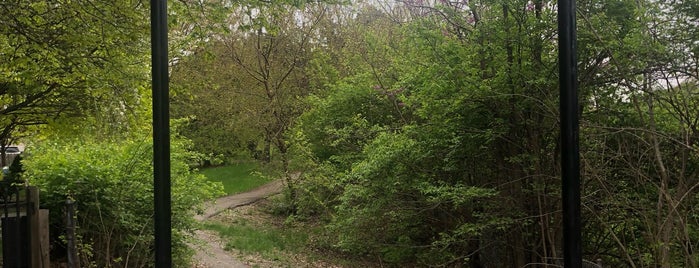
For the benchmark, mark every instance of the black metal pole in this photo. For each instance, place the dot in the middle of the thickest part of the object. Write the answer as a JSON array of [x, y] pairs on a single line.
[[161, 135], [570, 153]]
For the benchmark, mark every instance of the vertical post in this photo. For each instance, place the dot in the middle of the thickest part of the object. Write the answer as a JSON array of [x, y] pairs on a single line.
[[44, 237], [161, 134], [22, 225], [570, 154], [73, 261], [36, 251], [33, 222]]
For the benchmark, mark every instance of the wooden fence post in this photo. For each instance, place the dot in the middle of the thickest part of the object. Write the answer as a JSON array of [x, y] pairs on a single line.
[[44, 237], [73, 261], [38, 230]]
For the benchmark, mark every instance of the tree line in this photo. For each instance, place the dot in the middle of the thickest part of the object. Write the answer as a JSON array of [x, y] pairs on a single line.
[[426, 132]]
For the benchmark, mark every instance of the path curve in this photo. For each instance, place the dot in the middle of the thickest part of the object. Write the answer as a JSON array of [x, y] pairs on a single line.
[[211, 253], [241, 199]]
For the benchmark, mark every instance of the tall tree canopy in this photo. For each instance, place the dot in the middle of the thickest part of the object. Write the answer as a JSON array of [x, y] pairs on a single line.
[[81, 67], [428, 130], [61, 58]]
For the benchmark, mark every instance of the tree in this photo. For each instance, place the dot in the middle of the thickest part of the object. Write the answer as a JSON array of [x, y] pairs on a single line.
[[61, 59], [81, 68], [256, 78], [430, 129], [465, 171]]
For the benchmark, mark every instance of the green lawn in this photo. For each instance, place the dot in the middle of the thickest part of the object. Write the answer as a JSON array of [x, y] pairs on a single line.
[[236, 178]]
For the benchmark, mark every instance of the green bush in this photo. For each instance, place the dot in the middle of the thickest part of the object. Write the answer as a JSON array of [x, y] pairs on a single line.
[[112, 186]]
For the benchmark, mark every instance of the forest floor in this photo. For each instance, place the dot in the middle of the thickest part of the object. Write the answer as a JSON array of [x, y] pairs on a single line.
[[210, 252], [295, 243]]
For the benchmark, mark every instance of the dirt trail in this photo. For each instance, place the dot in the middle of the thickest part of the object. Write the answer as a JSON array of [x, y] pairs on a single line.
[[210, 253], [241, 199]]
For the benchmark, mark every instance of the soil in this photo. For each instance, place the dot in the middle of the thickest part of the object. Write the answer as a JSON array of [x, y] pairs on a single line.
[[210, 252], [258, 214], [253, 207], [241, 199]]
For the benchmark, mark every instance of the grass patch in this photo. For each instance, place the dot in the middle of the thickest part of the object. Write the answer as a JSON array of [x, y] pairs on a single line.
[[267, 241], [236, 178]]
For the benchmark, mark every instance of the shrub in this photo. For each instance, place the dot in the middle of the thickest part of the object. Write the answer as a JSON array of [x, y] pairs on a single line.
[[112, 186]]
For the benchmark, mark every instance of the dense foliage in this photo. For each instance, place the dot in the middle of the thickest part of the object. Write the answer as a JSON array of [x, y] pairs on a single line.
[[63, 59], [441, 146], [430, 130], [74, 88], [111, 186], [427, 131]]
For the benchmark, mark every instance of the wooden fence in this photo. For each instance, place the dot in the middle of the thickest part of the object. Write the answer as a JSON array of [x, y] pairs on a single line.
[[25, 237]]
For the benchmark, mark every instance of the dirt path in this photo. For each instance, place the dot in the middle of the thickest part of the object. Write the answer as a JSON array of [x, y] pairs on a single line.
[[210, 253]]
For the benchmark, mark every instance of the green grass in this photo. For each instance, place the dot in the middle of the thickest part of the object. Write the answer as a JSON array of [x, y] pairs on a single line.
[[267, 241], [236, 178]]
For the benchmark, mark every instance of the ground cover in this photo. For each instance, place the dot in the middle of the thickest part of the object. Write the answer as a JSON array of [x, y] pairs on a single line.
[[236, 178], [253, 234], [250, 238], [260, 238]]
